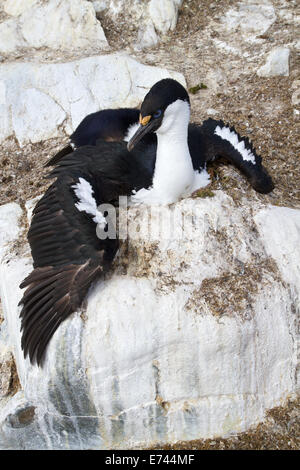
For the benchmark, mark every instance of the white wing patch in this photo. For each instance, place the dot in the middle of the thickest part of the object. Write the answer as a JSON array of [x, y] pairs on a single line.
[[131, 131], [226, 134], [87, 202]]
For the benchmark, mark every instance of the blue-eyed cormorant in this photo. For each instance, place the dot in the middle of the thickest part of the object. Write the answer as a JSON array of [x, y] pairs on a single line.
[[206, 142], [67, 254]]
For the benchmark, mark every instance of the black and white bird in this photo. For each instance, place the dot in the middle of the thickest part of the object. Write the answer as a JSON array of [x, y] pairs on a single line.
[[206, 142], [67, 254]]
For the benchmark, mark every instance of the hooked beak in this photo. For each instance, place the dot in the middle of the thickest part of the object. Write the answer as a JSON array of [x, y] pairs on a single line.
[[146, 126]]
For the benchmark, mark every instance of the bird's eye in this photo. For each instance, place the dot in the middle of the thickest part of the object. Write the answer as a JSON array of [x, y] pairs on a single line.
[[157, 114]]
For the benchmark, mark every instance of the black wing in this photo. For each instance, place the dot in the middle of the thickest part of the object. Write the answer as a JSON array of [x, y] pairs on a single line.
[[68, 256], [109, 125], [118, 170]]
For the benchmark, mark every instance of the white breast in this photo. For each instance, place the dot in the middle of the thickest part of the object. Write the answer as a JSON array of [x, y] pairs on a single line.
[[174, 176], [174, 173]]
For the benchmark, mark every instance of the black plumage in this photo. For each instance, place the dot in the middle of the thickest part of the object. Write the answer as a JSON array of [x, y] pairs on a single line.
[[204, 144], [68, 256], [108, 124]]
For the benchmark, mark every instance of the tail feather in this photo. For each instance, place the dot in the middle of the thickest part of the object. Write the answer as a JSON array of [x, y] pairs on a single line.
[[51, 296]]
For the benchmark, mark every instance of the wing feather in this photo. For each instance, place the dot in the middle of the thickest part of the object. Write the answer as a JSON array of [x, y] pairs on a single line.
[[67, 257], [215, 146]]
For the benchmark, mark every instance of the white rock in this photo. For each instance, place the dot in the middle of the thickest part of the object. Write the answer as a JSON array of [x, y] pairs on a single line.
[[41, 101], [17, 7], [274, 223], [250, 18], [5, 125], [10, 215], [149, 18], [277, 63], [58, 25], [167, 352], [163, 14], [9, 40], [147, 36], [99, 5], [30, 205], [226, 48], [33, 103], [295, 84], [286, 15]]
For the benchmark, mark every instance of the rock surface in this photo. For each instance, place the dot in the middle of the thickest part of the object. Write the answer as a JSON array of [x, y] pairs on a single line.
[[250, 18], [277, 63], [56, 24], [151, 19], [10, 226], [41, 101], [192, 336]]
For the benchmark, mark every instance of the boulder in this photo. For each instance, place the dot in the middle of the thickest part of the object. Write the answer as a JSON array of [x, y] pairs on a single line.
[[41, 101], [192, 335], [147, 36], [63, 25], [164, 14]]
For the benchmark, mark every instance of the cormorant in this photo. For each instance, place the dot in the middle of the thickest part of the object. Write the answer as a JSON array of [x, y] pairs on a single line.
[[67, 254]]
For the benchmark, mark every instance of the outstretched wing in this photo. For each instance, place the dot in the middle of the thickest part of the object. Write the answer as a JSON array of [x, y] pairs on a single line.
[[68, 256], [216, 139]]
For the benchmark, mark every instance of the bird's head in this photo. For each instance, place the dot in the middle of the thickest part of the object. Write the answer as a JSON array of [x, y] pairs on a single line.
[[165, 103]]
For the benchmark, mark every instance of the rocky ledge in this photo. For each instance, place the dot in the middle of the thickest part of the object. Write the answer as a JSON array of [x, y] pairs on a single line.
[[189, 337]]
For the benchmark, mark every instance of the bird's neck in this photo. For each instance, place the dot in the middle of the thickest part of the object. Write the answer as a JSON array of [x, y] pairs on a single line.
[[173, 169]]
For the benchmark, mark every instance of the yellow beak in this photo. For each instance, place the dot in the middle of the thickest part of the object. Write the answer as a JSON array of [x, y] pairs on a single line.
[[144, 120]]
